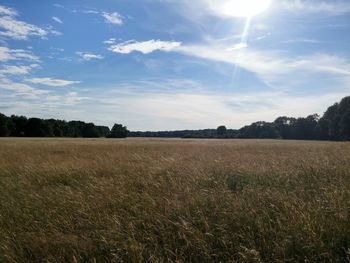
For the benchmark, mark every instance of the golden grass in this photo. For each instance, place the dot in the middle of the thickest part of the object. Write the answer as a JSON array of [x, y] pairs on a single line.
[[138, 200]]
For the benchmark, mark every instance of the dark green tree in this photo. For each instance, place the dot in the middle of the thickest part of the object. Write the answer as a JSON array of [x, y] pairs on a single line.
[[305, 128], [118, 131], [38, 128], [284, 126], [221, 131], [20, 123], [6, 125], [90, 131]]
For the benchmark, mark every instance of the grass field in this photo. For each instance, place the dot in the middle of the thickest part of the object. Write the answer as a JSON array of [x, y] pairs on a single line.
[[138, 200]]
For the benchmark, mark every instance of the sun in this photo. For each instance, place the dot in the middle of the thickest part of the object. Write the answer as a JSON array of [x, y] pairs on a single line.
[[240, 8]]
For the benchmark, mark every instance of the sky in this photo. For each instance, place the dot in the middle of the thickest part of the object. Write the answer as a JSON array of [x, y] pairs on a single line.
[[172, 64]]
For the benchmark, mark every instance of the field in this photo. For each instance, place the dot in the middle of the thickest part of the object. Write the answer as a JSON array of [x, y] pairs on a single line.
[[138, 200]]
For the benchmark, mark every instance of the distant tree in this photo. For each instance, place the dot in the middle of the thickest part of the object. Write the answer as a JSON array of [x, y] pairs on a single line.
[[38, 128], [20, 123], [221, 131], [103, 131], [335, 123], [6, 126], [284, 126], [90, 131], [260, 129], [118, 131], [344, 126], [328, 124], [75, 129], [305, 128]]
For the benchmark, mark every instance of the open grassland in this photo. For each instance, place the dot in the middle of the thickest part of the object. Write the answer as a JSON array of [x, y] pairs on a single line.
[[135, 200]]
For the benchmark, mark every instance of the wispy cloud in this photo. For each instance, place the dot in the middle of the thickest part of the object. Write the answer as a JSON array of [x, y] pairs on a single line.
[[52, 82], [7, 11], [273, 67], [89, 56], [17, 70], [237, 46], [58, 5], [21, 89], [154, 109], [303, 40], [56, 19], [89, 12], [144, 47], [110, 41], [7, 54], [11, 27], [331, 7], [113, 18]]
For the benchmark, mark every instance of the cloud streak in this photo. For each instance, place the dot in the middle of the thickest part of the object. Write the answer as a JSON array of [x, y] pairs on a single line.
[[145, 47], [113, 18], [17, 70], [274, 68], [333, 7], [88, 56], [52, 82], [11, 27], [56, 19], [7, 54]]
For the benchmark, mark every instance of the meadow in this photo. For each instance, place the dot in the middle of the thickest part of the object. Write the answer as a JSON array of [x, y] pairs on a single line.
[[154, 200]]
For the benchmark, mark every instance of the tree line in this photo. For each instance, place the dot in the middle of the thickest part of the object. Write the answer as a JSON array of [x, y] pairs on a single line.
[[20, 126], [333, 125]]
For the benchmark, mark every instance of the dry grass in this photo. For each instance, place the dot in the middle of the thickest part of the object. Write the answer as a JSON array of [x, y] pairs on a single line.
[[65, 200]]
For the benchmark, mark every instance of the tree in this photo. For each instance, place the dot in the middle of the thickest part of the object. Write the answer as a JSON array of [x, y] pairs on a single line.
[[20, 123], [305, 128], [344, 125], [118, 131], [90, 131], [221, 131], [103, 131], [284, 126], [335, 123], [6, 126], [38, 128], [260, 129]]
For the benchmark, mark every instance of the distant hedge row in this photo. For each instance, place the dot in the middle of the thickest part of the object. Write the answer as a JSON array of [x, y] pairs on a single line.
[[20, 126], [333, 125]]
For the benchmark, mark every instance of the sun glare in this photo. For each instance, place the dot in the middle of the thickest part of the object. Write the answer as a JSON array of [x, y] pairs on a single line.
[[241, 8]]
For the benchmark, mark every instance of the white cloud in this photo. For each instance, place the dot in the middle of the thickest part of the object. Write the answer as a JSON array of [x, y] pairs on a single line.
[[73, 98], [89, 12], [57, 20], [237, 46], [113, 18], [22, 89], [7, 54], [173, 110], [52, 82], [11, 27], [55, 32], [274, 68], [58, 5], [89, 56], [144, 47], [110, 41], [303, 40], [7, 11], [333, 7], [15, 70]]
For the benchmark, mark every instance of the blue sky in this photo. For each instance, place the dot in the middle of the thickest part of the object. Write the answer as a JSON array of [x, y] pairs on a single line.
[[166, 64]]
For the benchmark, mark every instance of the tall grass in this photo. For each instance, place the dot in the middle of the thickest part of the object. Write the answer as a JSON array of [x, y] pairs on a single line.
[[65, 200]]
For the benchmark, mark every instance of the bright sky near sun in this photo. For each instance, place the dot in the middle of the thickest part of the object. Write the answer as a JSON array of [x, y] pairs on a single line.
[[173, 64]]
